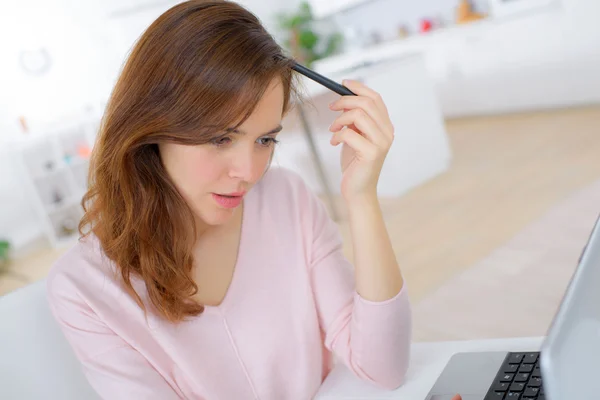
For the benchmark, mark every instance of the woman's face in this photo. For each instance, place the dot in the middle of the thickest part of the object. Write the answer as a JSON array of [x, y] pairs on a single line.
[[214, 177]]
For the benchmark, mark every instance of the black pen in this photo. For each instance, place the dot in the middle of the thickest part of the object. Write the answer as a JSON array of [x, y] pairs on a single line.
[[328, 83]]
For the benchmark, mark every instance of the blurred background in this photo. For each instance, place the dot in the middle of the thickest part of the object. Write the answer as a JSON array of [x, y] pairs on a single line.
[[490, 190]]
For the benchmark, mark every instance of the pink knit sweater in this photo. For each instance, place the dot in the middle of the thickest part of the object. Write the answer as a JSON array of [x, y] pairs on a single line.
[[290, 311]]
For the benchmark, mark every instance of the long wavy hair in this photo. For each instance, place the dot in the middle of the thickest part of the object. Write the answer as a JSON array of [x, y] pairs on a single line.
[[200, 68]]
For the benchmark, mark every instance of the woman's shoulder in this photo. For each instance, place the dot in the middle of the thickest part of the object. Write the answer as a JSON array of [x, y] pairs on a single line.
[[82, 269]]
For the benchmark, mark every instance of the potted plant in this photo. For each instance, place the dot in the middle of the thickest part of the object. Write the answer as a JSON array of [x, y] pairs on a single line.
[[4, 254], [302, 39]]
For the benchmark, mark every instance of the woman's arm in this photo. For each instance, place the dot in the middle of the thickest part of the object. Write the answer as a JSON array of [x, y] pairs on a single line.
[[367, 133], [378, 276], [114, 369], [365, 314], [372, 338]]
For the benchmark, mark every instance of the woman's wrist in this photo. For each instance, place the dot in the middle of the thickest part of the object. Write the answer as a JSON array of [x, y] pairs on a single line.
[[378, 276], [361, 201]]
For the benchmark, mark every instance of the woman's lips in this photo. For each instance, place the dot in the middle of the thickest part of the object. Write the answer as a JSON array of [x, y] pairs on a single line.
[[231, 200]]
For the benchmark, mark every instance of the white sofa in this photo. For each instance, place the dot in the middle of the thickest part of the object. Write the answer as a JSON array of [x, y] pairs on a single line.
[[36, 361]]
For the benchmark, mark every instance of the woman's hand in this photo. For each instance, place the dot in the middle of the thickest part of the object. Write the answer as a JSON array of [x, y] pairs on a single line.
[[457, 397], [367, 138]]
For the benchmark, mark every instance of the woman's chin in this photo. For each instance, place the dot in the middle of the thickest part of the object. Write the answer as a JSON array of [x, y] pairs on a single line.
[[218, 216]]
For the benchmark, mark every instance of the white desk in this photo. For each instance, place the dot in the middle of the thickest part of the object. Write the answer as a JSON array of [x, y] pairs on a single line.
[[427, 362]]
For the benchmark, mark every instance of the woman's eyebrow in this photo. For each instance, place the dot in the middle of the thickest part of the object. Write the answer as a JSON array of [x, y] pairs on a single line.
[[241, 132]]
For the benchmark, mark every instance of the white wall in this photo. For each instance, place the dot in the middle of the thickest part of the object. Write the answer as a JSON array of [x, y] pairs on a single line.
[[82, 59]]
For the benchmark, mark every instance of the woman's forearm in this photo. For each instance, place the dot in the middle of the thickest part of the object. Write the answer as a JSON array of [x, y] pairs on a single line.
[[378, 276], [367, 133]]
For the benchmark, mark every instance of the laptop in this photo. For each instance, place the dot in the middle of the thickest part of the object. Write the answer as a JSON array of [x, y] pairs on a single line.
[[566, 367]]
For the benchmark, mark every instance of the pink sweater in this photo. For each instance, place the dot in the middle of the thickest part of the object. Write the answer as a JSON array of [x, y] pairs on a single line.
[[291, 307]]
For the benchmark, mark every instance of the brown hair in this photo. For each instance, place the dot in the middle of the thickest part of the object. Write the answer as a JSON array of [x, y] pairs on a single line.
[[200, 68]]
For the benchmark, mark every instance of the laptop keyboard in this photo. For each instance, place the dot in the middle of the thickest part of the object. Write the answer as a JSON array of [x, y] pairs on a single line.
[[519, 378]]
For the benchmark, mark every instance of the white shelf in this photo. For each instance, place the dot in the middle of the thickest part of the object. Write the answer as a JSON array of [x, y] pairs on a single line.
[[64, 204], [54, 165], [40, 176]]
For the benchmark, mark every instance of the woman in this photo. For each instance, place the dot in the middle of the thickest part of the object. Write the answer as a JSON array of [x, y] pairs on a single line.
[[201, 272]]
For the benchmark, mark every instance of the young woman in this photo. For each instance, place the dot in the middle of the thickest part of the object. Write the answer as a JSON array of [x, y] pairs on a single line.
[[201, 272]]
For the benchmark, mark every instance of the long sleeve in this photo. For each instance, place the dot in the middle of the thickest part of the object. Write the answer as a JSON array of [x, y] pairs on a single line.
[[113, 367], [371, 338]]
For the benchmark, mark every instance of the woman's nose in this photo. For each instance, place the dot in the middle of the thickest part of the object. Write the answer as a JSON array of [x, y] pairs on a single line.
[[243, 164]]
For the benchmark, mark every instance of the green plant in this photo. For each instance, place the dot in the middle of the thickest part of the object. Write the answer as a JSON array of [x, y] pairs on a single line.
[[302, 39], [4, 254]]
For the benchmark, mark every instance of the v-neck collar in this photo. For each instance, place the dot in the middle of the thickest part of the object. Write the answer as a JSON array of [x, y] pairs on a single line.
[[231, 289]]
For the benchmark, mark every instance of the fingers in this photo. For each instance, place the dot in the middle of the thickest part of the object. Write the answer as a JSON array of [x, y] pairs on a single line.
[[370, 102], [370, 106], [457, 397], [363, 90], [364, 123], [357, 142]]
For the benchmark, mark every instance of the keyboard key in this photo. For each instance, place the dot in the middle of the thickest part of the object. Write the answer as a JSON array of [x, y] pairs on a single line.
[[531, 392], [511, 368], [517, 387], [507, 378], [535, 382], [515, 358], [495, 396], [536, 372], [541, 397], [523, 368], [530, 358], [513, 396], [501, 387], [521, 377]]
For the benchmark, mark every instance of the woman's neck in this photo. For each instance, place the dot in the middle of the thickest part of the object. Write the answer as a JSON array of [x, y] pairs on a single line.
[[206, 232]]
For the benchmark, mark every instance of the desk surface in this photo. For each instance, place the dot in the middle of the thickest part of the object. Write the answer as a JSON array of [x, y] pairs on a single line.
[[427, 362]]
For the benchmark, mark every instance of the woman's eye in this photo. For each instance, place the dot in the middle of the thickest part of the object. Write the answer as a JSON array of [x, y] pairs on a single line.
[[221, 141], [267, 141]]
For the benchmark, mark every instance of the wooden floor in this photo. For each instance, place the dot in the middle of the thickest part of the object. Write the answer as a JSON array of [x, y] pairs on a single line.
[[507, 171], [523, 281]]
